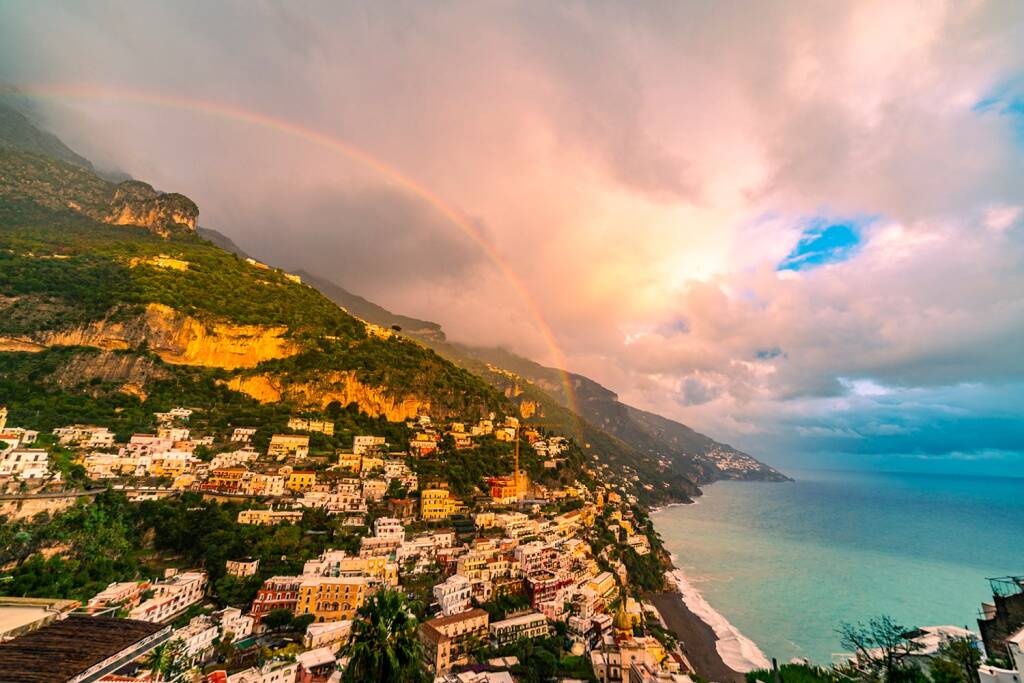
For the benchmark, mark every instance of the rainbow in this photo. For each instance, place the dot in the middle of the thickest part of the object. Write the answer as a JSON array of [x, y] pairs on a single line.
[[319, 139]]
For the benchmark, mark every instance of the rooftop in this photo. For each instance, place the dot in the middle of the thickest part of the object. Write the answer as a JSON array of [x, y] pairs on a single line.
[[66, 648]]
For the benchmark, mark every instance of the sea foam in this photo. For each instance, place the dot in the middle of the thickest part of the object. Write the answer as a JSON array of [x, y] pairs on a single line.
[[737, 651]]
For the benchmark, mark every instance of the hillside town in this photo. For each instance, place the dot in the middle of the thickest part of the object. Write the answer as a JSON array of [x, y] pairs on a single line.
[[527, 574]]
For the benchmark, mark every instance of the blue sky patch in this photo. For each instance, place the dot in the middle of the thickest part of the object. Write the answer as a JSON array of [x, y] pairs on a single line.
[[1006, 100], [823, 242]]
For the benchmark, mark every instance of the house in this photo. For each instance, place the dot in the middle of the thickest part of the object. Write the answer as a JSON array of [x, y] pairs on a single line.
[[388, 527], [301, 480], [25, 463], [125, 594], [315, 666], [84, 436], [332, 634], [330, 598], [242, 568], [529, 626], [278, 592], [171, 597], [231, 620], [278, 671], [197, 639], [453, 594], [301, 424], [446, 640], [436, 504], [367, 444], [350, 461], [243, 434], [269, 517], [1015, 650], [288, 445]]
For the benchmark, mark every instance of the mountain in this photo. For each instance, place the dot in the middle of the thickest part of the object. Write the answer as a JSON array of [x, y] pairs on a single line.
[[628, 435], [19, 132], [114, 305]]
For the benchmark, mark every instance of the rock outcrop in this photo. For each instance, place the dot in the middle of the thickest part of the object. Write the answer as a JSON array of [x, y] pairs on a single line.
[[137, 203], [175, 337], [342, 387]]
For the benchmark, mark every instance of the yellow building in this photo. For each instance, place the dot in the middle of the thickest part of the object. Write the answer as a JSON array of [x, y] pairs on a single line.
[[436, 504], [350, 461], [331, 598], [301, 480], [284, 445]]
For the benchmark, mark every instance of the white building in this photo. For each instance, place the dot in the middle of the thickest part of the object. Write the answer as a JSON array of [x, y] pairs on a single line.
[[197, 638], [388, 527], [271, 672], [231, 620], [171, 597], [243, 434], [453, 594], [331, 634], [363, 444], [1015, 649], [25, 463], [84, 436]]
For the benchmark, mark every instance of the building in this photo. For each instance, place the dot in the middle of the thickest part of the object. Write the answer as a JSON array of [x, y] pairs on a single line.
[[3, 418], [231, 620], [126, 594], [529, 626], [25, 463], [171, 597], [269, 517], [278, 592], [243, 434], [301, 424], [1004, 616], [446, 639], [453, 594], [315, 666], [301, 480], [278, 671], [368, 444], [79, 649], [18, 616], [197, 639], [246, 567], [84, 436], [436, 504], [388, 527], [288, 445], [332, 634], [330, 598]]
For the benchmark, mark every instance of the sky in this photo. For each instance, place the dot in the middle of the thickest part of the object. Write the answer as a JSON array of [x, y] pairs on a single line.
[[795, 226]]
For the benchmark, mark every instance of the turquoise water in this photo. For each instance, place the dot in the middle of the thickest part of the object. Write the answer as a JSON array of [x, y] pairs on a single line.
[[787, 563]]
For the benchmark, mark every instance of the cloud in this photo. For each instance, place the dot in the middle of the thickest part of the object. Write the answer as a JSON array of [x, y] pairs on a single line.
[[680, 188]]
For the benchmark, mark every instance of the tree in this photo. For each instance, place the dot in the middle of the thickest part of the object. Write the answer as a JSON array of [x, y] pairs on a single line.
[[278, 619], [384, 646], [164, 661], [881, 647], [957, 661]]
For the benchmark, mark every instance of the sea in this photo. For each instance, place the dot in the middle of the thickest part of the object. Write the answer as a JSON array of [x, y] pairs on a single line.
[[782, 565]]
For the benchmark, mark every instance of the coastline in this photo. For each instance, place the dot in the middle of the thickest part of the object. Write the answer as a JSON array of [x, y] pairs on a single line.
[[717, 649]]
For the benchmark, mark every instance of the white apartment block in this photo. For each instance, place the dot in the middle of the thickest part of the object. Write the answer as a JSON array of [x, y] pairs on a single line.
[[453, 595], [171, 597], [25, 463]]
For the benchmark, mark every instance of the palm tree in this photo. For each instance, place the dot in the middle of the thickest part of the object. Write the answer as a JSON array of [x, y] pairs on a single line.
[[162, 661], [384, 647]]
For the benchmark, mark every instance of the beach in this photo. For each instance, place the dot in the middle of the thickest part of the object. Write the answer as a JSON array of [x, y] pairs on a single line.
[[716, 650]]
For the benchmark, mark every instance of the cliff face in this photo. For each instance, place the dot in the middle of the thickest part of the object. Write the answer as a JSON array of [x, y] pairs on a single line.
[[342, 387], [175, 337], [137, 203]]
